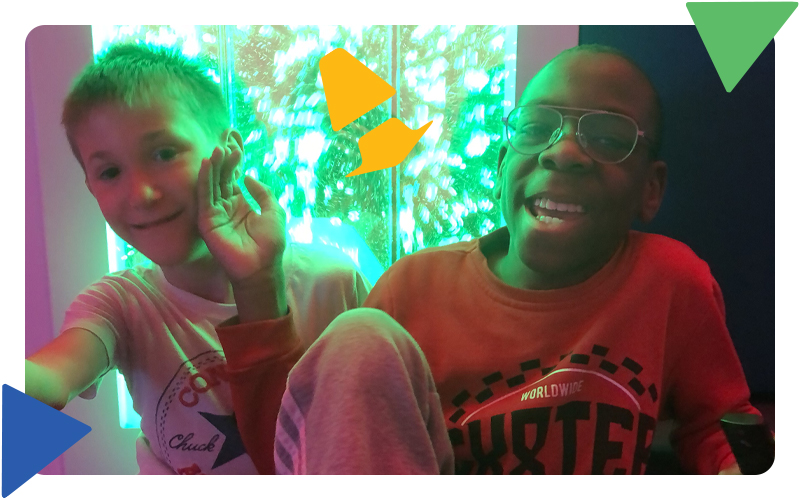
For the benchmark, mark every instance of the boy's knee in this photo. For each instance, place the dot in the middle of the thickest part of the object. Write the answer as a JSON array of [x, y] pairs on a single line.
[[368, 337], [365, 322]]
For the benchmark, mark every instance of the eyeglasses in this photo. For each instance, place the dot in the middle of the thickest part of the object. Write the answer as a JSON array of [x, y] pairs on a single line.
[[605, 136]]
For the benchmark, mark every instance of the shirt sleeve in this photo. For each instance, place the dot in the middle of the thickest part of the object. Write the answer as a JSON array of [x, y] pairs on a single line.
[[705, 381], [259, 356]]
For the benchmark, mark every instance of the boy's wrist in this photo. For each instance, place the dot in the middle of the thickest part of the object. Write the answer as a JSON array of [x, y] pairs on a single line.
[[261, 296]]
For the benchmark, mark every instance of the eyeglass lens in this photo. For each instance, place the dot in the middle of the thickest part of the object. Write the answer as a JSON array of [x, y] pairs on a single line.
[[605, 137]]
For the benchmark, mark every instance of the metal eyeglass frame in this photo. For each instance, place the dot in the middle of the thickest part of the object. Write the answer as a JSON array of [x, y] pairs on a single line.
[[555, 138]]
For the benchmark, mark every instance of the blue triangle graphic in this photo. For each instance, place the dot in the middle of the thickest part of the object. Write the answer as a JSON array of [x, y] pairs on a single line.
[[33, 436]]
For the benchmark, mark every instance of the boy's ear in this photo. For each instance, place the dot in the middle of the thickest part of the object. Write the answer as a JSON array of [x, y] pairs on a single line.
[[497, 191], [653, 192], [233, 139]]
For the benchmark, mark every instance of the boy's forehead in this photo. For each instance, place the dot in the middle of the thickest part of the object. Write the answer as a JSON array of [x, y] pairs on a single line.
[[152, 113], [592, 81], [116, 125]]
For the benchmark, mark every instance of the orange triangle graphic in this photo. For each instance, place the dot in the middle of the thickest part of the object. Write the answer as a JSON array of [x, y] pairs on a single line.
[[387, 145], [351, 88]]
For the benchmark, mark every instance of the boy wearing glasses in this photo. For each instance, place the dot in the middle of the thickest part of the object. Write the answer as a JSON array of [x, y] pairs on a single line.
[[557, 342]]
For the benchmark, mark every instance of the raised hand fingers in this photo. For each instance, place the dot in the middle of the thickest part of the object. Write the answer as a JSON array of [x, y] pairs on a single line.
[[261, 194], [227, 181], [217, 157], [205, 189]]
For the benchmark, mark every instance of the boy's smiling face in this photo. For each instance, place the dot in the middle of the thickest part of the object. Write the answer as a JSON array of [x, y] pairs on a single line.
[[602, 199], [141, 165]]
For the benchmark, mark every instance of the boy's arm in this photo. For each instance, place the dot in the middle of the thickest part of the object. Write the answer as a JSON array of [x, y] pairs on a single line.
[[706, 381], [259, 356], [65, 367], [247, 243], [260, 344]]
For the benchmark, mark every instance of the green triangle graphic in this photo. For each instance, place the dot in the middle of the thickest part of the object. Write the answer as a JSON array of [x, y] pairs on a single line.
[[735, 33]]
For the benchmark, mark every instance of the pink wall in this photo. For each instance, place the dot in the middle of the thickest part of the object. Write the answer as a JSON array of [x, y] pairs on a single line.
[[538, 44], [38, 316], [65, 239]]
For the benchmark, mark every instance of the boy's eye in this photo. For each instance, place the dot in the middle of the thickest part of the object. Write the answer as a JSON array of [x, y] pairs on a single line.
[[535, 132], [165, 154], [108, 173]]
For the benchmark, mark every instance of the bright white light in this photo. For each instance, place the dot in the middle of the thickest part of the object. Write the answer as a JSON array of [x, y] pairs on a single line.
[[421, 31], [328, 33], [276, 116], [497, 42], [301, 232], [425, 214], [191, 47], [434, 94], [438, 66], [307, 181], [477, 144], [430, 192], [314, 99], [421, 114], [475, 80], [486, 178], [406, 227], [309, 147], [281, 146]]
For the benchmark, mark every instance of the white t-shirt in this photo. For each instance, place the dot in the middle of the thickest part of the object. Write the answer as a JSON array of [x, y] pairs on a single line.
[[163, 341]]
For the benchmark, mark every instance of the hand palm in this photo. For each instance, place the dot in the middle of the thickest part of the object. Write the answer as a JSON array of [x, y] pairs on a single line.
[[242, 240]]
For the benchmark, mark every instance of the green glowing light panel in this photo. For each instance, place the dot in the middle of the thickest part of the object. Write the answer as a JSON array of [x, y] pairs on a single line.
[[460, 77]]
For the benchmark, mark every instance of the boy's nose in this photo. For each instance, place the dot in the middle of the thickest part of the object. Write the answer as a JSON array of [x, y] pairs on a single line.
[[566, 153], [143, 190]]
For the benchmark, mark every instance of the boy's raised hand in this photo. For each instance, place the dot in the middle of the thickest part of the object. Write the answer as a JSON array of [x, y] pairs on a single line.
[[247, 244]]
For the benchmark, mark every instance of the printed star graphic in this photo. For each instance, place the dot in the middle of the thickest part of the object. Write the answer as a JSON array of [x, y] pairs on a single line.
[[233, 446]]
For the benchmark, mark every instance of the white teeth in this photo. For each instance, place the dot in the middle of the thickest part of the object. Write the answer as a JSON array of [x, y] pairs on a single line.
[[549, 220], [558, 207]]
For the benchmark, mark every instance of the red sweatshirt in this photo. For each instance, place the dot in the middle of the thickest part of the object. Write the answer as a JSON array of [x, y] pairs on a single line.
[[259, 356], [572, 380]]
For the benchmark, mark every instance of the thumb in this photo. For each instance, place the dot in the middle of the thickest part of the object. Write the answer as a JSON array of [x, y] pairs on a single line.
[[263, 196]]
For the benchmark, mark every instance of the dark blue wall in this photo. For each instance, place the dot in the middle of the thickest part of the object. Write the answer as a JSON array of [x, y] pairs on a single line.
[[720, 150]]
